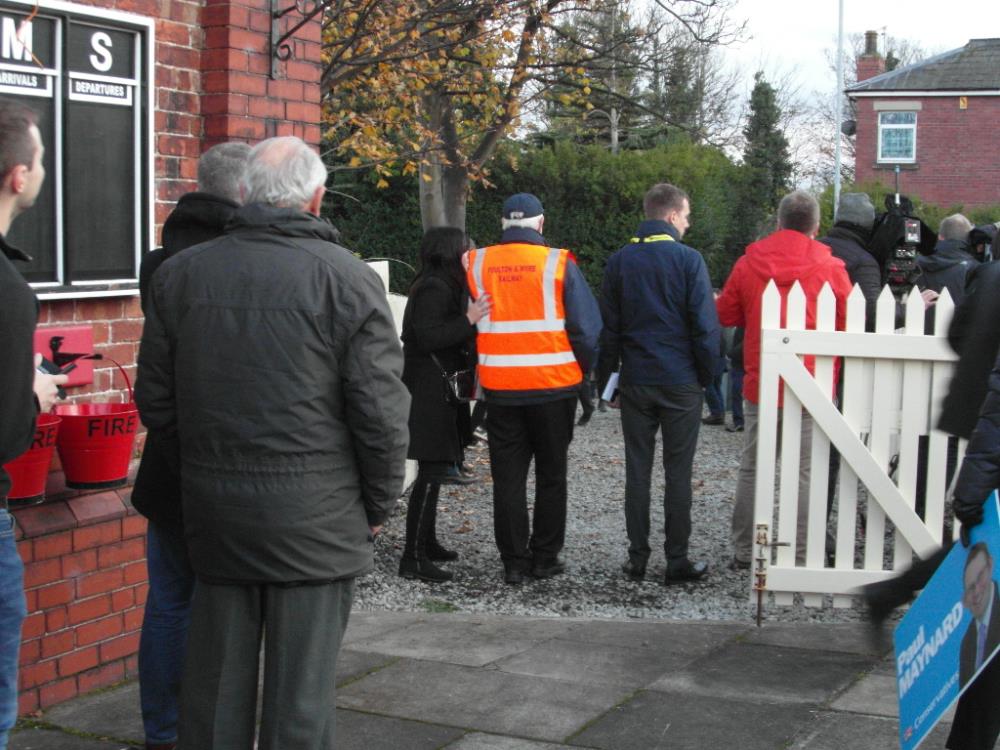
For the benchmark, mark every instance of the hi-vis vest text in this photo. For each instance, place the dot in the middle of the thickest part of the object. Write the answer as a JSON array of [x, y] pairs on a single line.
[[522, 343]]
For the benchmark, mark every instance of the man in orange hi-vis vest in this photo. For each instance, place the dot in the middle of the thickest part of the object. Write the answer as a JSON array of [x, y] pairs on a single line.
[[538, 339]]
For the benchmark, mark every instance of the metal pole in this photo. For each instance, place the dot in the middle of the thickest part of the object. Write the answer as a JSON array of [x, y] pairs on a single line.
[[838, 109]]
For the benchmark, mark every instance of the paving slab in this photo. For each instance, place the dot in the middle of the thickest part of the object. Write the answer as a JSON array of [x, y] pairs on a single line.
[[480, 699], [655, 721], [876, 694], [49, 739], [470, 641], [354, 664], [767, 673], [359, 731], [367, 623], [594, 663], [841, 731], [480, 741], [694, 638], [848, 638], [108, 713]]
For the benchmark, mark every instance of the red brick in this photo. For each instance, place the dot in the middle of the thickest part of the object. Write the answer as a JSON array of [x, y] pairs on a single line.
[[55, 619], [78, 661], [102, 506], [133, 619], [48, 518], [123, 599], [27, 702], [132, 666], [57, 692], [126, 645], [133, 307], [53, 545], [99, 630], [264, 107], [126, 330], [133, 526], [106, 532], [61, 311], [31, 652], [57, 643], [131, 550], [89, 609], [32, 675], [289, 90], [302, 112], [141, 592], [99, 583], [79, 562], [103, 676], [55, 595], [41, 572], [109, 308], [31, 600], [135, 573], [228, 14], [33, 626]]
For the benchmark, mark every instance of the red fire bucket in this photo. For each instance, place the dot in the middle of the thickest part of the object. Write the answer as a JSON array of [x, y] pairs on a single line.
[[96, 440], [29, 471]]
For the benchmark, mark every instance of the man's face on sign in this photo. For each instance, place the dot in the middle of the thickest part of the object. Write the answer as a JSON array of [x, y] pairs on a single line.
[[977, 579]]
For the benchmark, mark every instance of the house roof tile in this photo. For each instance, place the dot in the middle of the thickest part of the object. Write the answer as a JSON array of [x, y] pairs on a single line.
[[972, 67]]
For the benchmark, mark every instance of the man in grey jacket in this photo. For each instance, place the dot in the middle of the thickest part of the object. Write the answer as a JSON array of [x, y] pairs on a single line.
[[273, 352]]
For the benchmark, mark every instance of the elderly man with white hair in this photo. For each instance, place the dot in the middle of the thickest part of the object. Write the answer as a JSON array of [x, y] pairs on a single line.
[[272, 352]]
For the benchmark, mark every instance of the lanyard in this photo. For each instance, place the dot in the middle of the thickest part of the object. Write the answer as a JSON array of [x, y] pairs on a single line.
[[654, 238]]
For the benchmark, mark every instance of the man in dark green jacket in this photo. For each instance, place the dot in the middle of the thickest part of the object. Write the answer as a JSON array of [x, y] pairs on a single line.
[[273, 352]]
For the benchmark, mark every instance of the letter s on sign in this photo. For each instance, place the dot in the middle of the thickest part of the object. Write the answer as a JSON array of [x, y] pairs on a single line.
[[101, 44]]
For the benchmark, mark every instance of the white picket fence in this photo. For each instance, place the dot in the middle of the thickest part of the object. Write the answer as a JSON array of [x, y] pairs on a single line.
[[894, 382]]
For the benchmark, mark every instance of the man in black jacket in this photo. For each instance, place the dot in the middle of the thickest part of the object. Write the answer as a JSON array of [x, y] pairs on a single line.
[[198, 217], [951, 262], [272, 352], [23, 391]]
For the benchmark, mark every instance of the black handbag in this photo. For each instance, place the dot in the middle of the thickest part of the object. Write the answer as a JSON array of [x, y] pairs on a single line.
[[459, 386]]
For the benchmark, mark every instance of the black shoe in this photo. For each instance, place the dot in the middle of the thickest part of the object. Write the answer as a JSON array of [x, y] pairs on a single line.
[[584, 419], [734, 428], [685, 572], [454, 476], [549, 569], [713, 419], [633, 570], [413, 568], [514, 576], [602, 406], [437, 553], [737, 564]]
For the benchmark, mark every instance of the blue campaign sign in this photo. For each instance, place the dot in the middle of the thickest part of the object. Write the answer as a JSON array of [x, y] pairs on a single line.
[[951, 631]]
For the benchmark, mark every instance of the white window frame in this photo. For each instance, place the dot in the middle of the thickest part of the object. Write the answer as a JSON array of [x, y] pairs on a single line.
[[896, 126]]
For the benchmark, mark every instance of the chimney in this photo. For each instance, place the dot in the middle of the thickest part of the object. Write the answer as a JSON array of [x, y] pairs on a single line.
[[870, 63]]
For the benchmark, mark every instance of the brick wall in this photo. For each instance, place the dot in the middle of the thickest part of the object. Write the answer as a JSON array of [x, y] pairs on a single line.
[[958, 153], [85, 585], [84, 554]]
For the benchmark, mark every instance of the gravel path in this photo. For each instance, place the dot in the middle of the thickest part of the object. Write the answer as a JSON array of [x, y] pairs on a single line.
[[596, 545]]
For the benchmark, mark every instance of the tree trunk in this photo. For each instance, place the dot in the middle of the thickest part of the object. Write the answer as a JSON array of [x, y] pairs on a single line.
[[444, 178]]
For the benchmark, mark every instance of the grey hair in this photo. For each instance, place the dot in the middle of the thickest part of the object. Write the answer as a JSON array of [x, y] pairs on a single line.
[[221, 168], [955, 227], [530, 222], [283, 172], [798, 211]]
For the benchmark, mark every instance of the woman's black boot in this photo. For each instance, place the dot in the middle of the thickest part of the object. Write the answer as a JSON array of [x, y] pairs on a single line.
[[434, 549], [415, 563]]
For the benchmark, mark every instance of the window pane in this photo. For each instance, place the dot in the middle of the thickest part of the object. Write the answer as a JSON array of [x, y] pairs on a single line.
[[897, 143], [898, 118]]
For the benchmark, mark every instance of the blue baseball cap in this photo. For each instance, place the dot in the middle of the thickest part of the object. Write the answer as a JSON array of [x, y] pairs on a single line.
[[522, 206]]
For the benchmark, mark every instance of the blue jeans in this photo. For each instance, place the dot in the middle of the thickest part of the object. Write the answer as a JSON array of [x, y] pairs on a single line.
[[736, 395], [12, 613], [713, 398], [164, 633]]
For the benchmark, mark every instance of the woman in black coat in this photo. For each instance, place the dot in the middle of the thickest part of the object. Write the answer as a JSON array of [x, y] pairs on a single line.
[[439, 323]]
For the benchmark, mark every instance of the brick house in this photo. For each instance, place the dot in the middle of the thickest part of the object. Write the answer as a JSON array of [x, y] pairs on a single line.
[[935, 120], [130, 93]]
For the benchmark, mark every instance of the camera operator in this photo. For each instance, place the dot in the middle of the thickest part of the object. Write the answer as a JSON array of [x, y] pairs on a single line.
[[952, 260], [849, 239]]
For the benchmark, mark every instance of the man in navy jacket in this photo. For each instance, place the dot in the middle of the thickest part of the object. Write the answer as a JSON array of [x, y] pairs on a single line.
[[661, 326]]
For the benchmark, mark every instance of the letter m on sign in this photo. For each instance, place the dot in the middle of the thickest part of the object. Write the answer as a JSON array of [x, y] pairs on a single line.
[[16, 42]]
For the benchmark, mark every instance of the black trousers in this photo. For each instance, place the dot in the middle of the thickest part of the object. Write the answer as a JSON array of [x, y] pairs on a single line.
[[518, 434], [675, 412]]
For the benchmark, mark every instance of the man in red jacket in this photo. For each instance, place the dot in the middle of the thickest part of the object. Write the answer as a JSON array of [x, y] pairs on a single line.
[[788, 255]]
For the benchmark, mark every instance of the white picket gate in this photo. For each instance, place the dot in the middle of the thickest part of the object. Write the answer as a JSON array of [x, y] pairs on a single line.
[[893, 385]]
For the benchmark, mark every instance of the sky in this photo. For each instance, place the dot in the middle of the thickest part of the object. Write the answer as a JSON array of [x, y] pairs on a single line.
[[793, 35]]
